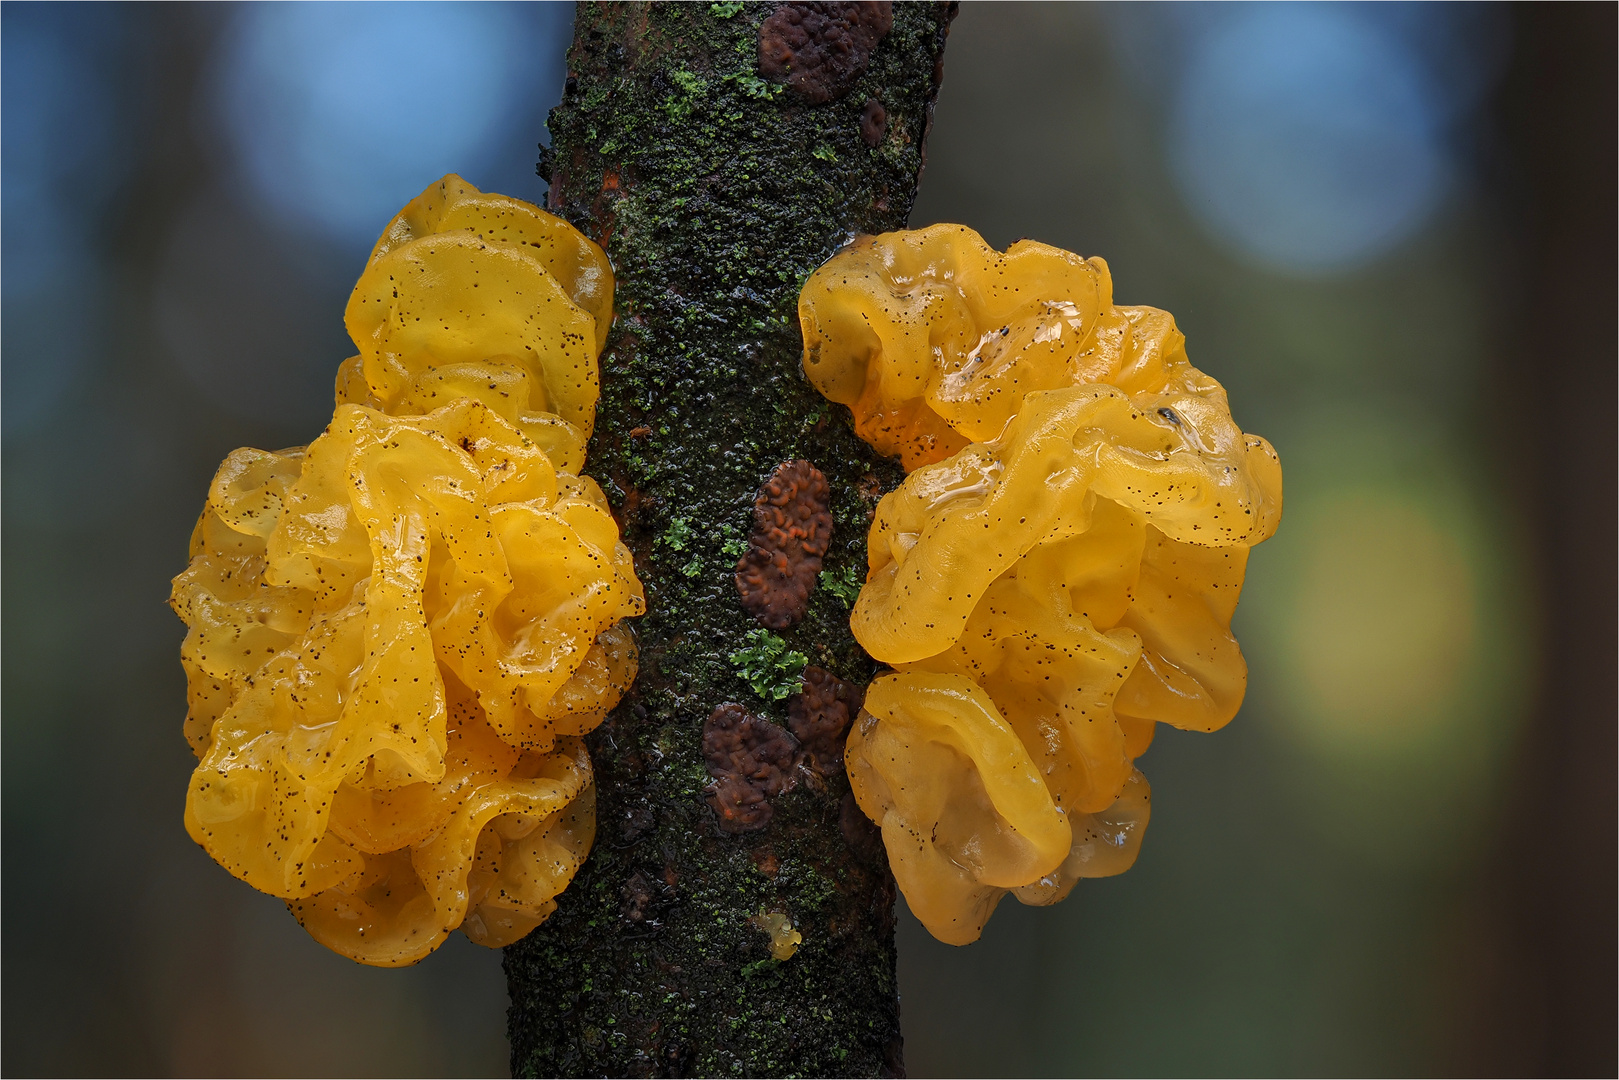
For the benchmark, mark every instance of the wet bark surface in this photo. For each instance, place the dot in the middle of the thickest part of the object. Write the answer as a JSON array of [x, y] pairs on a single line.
[[719, 153]]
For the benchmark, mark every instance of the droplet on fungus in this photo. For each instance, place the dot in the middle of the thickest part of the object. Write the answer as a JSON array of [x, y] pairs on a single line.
[[398, 633], [751, 762], [792, 529], [1056, 574], [820, 49]]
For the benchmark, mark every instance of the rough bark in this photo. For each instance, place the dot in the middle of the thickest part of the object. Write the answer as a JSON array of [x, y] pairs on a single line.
[[716, 187]]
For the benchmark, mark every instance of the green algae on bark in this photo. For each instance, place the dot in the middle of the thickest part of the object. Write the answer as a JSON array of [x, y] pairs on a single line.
[[715, 191]]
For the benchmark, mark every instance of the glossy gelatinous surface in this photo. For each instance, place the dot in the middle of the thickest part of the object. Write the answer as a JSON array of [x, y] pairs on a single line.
[[1056, 574], [397, 635], [533, 301], [784, 940]]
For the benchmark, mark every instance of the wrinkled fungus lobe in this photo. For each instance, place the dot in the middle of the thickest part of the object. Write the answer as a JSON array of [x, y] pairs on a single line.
[[751, 762], [398, 633], [1056, 574], [820, 49], [792, 528]]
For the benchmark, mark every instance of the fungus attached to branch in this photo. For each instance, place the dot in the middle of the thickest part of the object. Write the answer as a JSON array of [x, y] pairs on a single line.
[[792, 528], [751, 762], [820, 49], [873, 122], [1056, 574], [819, 716], [778, 926], [398, 633]]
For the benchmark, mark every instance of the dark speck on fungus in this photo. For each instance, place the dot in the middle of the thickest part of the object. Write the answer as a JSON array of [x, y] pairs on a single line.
[[820, 49], [751, 762], [819, 717], [792, 527]]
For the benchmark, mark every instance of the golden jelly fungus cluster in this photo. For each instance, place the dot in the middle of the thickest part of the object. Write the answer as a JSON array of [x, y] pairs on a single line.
[[482, 296], [1056, 574], [399, 633]]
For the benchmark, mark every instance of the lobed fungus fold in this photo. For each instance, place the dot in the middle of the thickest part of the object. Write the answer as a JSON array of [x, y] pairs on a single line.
[[398, 633], [1056, 574]]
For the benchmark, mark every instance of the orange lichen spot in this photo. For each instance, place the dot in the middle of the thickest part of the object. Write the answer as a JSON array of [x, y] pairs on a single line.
[[396, 636], [751, 762], [819, 717], [792, 528], [1056, 574], [478, 295]]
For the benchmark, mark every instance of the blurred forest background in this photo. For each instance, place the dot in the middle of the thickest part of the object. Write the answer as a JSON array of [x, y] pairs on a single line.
[[1388, 229]]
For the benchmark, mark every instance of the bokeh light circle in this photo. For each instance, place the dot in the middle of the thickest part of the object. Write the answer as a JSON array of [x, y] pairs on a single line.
[[1382, 619], [64, 156], [340, 113], [1308, 138]]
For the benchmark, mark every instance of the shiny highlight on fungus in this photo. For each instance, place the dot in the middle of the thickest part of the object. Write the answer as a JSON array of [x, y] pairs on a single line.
[[1056, 574], [398, 634]]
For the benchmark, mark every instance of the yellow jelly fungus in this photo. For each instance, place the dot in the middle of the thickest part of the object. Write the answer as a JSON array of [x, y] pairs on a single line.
[[533, 304], [1056, 574], [398, 633], [784, 940]]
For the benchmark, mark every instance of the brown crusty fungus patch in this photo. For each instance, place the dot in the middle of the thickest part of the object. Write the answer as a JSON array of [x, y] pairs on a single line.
[[860, 832], [766, 862], [873, 121], [819, 716], [637, 893], [820, 49], [792, 526], [751, 761]]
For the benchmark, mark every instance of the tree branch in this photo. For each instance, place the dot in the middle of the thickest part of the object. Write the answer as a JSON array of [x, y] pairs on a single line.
[[720, 152]]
